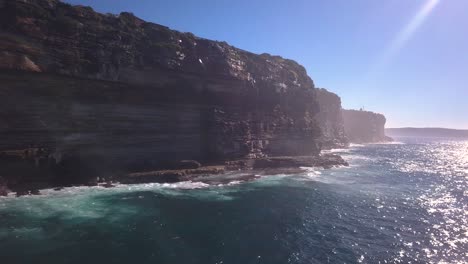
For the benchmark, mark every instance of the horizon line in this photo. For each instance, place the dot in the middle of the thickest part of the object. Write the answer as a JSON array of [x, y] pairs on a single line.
[[462, 129]]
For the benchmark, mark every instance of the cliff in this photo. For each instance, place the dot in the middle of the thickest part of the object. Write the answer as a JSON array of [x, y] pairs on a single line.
[[86, 94], [364, 126], [330, 120]]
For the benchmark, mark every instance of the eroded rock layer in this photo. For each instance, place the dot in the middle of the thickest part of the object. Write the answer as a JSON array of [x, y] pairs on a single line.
[[331, 121]]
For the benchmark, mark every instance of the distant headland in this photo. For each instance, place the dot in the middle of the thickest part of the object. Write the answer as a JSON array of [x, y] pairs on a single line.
[[427, 132]]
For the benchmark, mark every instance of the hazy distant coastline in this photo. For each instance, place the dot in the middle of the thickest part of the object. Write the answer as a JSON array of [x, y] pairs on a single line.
[[426, 132]]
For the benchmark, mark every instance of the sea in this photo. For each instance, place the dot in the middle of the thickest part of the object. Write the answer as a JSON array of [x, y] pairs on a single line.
[[401, 202]]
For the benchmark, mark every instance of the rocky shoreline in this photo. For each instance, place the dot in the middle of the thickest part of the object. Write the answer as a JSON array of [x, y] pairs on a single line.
[[248, 168]]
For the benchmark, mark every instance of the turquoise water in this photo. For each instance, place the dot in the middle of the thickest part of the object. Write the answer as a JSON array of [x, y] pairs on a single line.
[[397, 203]]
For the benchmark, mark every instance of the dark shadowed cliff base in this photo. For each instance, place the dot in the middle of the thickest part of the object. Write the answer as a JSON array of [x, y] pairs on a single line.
[[88, 97]]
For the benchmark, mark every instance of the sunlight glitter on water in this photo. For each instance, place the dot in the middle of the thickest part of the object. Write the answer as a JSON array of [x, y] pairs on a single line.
[[447, 201]]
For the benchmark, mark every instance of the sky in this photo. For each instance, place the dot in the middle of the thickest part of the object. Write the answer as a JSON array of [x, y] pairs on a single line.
[[407, 59]]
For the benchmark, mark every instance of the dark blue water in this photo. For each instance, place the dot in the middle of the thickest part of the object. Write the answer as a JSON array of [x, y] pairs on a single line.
[[396, 203]]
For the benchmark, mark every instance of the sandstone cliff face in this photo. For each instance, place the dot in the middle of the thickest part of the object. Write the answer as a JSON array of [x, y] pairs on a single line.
[[364, 126], [331, 121], [113, 92]]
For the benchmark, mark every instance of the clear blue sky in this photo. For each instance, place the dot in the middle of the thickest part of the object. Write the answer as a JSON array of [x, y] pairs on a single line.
[[407, 59]]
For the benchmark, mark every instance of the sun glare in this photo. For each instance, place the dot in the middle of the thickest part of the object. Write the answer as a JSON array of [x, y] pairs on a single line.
[[406, 33]]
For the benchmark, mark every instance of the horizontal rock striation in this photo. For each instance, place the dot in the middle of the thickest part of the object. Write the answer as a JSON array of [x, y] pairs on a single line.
[[86, 95], [364, 126], [330, 119]]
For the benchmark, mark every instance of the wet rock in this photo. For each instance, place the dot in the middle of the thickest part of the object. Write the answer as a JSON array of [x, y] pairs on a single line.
[[91, 183], [35, 192], [239, 164], [3, 187], [328, 161], [108, 185], [162, 176], [189, 164], [22, 193], [4, 191]]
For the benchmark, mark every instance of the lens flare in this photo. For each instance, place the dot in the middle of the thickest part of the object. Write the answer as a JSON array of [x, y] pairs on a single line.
[[406, 33]]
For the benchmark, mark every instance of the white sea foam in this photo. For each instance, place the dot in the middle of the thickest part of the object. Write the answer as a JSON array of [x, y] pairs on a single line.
[[92, 202], [230, 183], [338, 150], [312, 172], [388, 143]]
